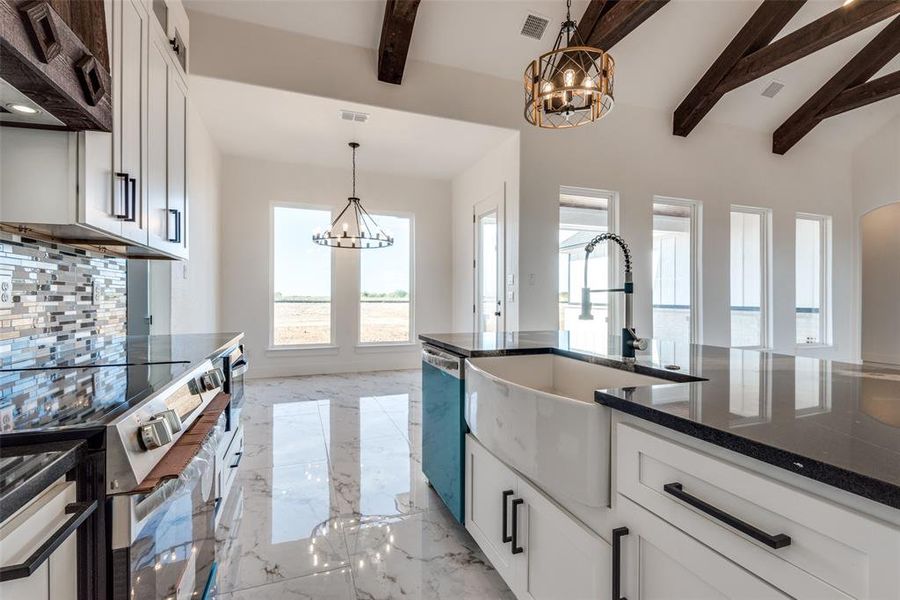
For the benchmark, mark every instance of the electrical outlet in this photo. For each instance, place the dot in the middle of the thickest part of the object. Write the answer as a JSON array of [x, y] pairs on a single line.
[[96, 292], [6, 291]]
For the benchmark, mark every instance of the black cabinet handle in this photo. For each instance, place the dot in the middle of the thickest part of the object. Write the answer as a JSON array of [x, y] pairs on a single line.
[[131, 209], [506, 537], [174, 224], [617, 535], [779, 540], [80, 511], [237, 463], [118, 200], [516, 549]]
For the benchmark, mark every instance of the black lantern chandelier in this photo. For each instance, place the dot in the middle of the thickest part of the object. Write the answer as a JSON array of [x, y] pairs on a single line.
[[571, 85], [354, 227]]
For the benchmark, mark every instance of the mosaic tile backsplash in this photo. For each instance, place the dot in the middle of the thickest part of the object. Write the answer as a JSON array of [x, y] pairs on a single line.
[[66, 301]]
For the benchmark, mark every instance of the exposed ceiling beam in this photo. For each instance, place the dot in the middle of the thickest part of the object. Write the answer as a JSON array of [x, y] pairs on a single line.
[[867, 93], [852, 79], [833, 27], [763, 26], [396, 33], [606, 22]]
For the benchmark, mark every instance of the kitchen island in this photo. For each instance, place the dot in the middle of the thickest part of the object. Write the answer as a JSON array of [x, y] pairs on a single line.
[[783, 467]]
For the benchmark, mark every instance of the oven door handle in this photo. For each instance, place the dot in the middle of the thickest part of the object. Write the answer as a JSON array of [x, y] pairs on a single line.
[[80, 511], [239, 367]]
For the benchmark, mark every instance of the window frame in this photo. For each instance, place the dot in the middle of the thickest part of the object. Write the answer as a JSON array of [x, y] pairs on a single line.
[[331, 345], [614, 308], [765, 258], [696, 275], [361, 345], [826, 326]]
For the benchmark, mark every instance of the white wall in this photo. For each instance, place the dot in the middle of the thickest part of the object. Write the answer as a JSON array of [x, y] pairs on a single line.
[[880, 230], [498, 170], [876, 183], [195, 285], [249, 187], [632, 152]]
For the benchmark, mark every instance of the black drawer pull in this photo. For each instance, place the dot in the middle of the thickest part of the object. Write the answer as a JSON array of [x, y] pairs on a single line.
[[617, 534], [121, 200], [506, 537], [779, 540], [516, 549], [80, 511], [174, 225], [237, 463], [132, 204]]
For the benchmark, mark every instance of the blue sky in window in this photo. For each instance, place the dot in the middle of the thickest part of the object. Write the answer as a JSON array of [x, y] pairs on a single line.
[[303, 268]]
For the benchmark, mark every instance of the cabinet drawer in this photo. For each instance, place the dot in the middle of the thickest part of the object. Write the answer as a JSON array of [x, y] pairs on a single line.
[[718, 502]]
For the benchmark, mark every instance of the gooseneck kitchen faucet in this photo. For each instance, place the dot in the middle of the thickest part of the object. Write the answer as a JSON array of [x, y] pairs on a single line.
[[630, 340]]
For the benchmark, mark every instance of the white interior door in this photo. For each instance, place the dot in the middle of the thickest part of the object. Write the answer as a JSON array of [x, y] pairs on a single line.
[[488, 219]]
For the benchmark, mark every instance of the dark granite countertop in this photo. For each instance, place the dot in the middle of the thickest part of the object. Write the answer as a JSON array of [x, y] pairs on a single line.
[[131, 350], [26, 471], [833, 422]]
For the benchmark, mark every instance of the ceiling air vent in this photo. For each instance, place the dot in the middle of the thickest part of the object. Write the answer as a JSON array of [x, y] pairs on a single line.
[[772, 89], [353, 115], [534, 26]]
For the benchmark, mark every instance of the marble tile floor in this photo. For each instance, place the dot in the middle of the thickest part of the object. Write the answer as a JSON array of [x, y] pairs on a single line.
[[330, 501]]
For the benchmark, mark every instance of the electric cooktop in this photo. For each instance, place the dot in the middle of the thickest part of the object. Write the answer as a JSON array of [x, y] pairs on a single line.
[[77, 397]]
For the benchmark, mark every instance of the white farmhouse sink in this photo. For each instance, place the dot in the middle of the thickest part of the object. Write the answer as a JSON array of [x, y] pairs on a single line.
[[537, 414]]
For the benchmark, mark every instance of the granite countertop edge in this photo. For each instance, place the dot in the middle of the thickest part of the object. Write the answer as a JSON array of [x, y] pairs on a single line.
[[72, 453], [856, 483]]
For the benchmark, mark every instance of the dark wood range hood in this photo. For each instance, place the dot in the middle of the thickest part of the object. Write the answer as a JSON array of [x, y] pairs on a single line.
[[54, 57]]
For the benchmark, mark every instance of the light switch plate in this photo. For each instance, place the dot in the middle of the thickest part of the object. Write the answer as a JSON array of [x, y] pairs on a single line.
[[6, 291], [96, 292]]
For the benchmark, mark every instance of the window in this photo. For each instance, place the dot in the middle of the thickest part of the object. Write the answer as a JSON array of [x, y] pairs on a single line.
[[582, 215], [813, 279], [675, 243], [385, 286], [301, 278], [749, 276]]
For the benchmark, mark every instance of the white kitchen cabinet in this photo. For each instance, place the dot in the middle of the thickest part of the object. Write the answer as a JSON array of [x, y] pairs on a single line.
[[540, 550], [130, 50], [660, 562], [826, 551], [24, 532], [167, 148], [127, 188]]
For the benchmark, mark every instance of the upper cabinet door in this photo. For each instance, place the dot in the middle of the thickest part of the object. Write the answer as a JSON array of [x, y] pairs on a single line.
[[130, 106], [157, 142], [177, 220]]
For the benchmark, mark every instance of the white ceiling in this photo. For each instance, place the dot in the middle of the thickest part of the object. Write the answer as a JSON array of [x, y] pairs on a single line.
[[269, 124], [656, 65]]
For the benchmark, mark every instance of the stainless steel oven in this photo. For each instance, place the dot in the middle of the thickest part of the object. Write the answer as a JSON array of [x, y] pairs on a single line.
[[234, 365], [164, 541]]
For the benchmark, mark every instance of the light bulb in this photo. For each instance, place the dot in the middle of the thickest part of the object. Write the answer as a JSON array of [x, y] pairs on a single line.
[[546, 87], [569, 77], [345, 227], [587, 82], [23, 109]]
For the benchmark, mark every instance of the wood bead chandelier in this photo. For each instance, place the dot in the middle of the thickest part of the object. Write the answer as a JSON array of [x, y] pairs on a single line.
[[353, 228], [571, 85]]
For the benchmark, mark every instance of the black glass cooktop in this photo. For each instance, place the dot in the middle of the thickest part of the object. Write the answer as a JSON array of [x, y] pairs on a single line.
[[77, 397]]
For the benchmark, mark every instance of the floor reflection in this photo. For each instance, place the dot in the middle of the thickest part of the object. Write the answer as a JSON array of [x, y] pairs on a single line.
[[330, 500]]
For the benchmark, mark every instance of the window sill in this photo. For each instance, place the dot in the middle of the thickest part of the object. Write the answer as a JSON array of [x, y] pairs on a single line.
[[386, 347], [322, 349], [813, 346]]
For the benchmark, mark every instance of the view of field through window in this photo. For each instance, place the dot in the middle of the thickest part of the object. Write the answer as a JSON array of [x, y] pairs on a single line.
[[302, 281]]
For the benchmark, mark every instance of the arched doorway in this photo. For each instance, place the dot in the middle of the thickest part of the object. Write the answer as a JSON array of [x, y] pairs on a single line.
[[880, 243]]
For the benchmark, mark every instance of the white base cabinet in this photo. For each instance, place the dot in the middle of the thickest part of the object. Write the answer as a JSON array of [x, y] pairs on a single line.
[[24, 532], [540, 550]]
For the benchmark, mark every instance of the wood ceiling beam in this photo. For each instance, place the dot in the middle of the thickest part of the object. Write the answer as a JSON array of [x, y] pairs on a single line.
[[757, 33], [614, 19], [396, 34], [867, 93], [851, 79], [833, 27]]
